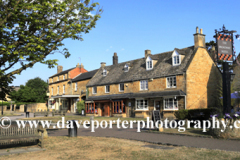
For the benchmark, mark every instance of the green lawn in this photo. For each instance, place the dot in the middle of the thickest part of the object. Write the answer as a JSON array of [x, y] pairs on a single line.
[[190, 131]]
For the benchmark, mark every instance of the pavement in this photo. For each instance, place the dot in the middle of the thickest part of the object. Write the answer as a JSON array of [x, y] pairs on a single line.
[[19, 150]]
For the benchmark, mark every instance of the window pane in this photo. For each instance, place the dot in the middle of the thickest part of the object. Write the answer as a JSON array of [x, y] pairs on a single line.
[[174, 81], [146, 86]]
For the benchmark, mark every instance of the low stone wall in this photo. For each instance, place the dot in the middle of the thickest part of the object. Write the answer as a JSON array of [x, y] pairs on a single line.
[[35, 107]]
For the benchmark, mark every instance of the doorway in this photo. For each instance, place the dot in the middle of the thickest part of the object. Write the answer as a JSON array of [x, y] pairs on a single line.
[[158, 105], [105, 109]]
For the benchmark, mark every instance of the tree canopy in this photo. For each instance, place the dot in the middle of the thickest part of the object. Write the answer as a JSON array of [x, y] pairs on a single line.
[[30, 30], [34, 91]]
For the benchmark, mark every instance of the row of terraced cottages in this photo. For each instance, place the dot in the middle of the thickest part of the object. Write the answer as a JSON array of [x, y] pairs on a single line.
[[180, 79]]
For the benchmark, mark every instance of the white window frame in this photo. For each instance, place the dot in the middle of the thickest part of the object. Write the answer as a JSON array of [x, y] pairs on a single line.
[[144, 101], [106, 88], [168, 82], [176, 60], [104, 72], [63, 77], [76, 87], [126, 68], [58, 78], [175, 101], [120, 87], [149, 63], [58, 90], [94, 90], [176, 56], [145, 85], [63, 89]]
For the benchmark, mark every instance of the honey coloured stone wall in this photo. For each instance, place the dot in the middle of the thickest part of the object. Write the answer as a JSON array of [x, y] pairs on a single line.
[[158, 84], [203, 81]]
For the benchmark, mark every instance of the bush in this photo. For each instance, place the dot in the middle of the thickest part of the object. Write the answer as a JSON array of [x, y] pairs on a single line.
[[80, 106], [181, 114], [202, 114]]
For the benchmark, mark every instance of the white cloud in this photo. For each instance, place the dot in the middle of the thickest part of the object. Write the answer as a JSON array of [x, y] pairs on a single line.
[[122, 49], [89, 13]]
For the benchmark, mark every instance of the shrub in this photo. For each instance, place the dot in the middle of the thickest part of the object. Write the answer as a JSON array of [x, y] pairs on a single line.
[[202, 113], [80, 106], [181, 114]]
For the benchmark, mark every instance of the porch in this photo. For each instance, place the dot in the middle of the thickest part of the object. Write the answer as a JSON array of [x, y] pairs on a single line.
[[64, 102]]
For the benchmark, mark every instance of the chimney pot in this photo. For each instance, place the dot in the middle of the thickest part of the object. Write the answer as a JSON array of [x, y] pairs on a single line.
[[81, 66], [197, 30], [147, 52], [115, 58], [103, 64], [201, 31]]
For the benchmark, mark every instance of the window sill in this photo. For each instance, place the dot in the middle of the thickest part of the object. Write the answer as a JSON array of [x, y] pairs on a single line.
[[172, 88], [149, 69], [141, 110], [170, 110], [121, 91]]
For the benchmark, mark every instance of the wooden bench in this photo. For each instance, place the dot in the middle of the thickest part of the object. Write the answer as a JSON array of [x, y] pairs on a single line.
[[41, 114], [15, 135], [61, 113]]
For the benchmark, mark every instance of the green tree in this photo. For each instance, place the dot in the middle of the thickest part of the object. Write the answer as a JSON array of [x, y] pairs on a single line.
[[34, 91], [30, 30], [80, 106]]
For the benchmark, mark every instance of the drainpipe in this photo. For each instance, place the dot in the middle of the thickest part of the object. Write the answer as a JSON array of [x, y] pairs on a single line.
[[185, 101]]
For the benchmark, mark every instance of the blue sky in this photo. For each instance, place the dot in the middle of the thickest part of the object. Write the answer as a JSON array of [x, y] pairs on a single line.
[[129, 27]]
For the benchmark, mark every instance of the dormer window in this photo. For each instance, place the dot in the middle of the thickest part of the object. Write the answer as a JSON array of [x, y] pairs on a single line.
[[104, 72], [149, 63], [126, 68], [176, 60]]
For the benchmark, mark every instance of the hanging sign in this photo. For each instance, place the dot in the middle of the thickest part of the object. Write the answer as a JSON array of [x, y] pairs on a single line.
[[224, 46]]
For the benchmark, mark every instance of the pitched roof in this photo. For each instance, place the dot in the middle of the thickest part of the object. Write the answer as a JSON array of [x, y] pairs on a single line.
[[138, 95], [63, 72], [138, 71], [86, 75]]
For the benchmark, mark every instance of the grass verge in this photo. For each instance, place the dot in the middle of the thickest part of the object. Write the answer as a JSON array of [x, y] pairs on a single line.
[[111, 148]]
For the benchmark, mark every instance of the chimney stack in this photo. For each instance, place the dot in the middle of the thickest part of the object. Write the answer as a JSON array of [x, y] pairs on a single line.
[[59, 69], [103, 64], [147, 52], [77, 65], [115, 58], [199, 39]]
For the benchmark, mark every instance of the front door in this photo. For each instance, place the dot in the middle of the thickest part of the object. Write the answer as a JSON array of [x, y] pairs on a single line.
[[102, 110], [106, 109], [159, 106]]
